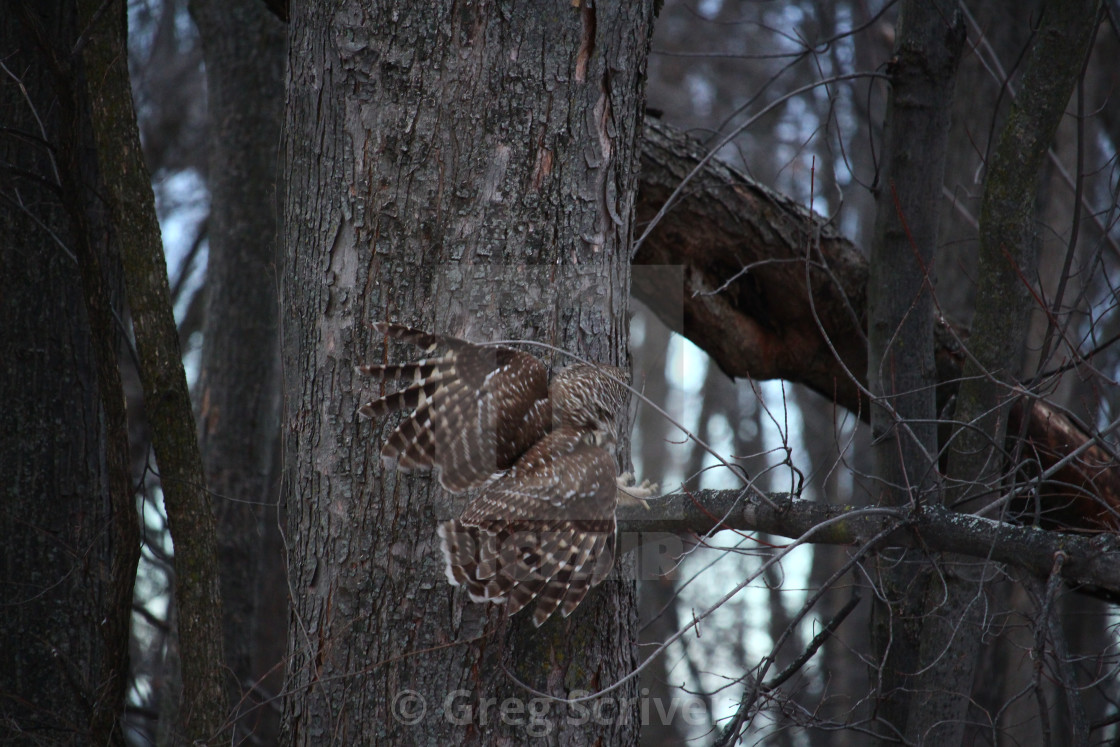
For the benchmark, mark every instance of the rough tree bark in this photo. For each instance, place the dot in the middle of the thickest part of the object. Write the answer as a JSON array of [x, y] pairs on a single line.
[[239, 384], [69, 539], [131, 204], [471, 170]]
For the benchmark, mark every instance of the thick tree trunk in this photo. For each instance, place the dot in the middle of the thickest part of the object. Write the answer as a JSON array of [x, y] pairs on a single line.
[[470, 170], [239, 388], [69, 540]]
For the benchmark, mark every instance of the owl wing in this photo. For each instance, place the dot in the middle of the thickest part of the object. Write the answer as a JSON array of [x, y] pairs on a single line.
[[544, 531], [476, 408]]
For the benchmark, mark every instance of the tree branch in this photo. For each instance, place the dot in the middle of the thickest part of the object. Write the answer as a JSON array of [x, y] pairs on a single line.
[[771, 291], [1091, 561]]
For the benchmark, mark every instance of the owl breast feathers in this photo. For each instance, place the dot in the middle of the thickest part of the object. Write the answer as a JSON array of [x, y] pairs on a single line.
[[543, 524]]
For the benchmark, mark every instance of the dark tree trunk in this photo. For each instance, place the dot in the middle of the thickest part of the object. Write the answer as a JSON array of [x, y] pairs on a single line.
[[131, 206], [1007, 262], [901, 373], [239, 388], [470, 170], [991, 380], [68, 529]]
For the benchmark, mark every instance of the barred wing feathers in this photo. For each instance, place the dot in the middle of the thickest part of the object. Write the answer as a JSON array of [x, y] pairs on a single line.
[[544, 531], [476, 409]]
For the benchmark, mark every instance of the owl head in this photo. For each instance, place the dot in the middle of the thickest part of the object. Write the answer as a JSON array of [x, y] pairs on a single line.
[[591, 398]]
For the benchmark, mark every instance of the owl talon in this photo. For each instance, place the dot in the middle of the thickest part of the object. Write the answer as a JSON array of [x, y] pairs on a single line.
[[630, 494]]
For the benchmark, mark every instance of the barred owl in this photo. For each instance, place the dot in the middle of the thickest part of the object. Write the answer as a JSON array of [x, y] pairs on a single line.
[[542, 526]]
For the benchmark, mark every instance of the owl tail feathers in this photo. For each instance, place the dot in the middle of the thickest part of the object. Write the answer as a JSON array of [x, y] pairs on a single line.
[[460, 545], [501, 564], [419, 338]]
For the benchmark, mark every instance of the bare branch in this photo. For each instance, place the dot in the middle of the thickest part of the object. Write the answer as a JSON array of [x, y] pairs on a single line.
[[1091, 561]]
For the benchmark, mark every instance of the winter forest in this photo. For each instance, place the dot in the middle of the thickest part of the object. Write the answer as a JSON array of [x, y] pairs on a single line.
[[861, 258]]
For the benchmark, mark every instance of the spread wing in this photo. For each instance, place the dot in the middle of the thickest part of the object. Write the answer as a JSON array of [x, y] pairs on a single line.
[[476, 409], [544, 531]]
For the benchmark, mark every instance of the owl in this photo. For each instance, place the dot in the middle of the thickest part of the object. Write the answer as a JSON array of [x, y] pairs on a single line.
[[542, 524]]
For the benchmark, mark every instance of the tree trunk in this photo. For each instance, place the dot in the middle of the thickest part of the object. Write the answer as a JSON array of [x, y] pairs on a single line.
[[131, 204], [1007, 243], [657, 591], [1007, 269], [69, 540], [901, 373], [239, 388], [469, 171]]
